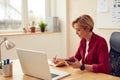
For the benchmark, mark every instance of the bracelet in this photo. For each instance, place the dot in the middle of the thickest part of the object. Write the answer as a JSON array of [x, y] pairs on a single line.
[[82, 67]]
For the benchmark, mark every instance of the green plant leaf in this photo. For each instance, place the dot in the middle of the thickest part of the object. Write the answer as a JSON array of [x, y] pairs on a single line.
[[42, 24]]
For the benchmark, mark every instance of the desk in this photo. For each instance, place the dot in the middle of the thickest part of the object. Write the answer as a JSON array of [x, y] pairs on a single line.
[[76, 74]]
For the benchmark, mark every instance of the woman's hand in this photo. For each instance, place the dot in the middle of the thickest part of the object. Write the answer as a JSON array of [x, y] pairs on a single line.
[[75, 64], [57, 60]]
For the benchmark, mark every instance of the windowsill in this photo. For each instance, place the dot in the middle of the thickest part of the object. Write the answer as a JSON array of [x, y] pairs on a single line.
[[22, 33]]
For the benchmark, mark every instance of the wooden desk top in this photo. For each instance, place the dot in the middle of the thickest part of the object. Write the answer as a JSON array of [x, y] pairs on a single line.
[[76, 74]]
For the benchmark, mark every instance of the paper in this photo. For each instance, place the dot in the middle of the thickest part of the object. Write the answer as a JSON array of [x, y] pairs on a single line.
[[51, 63], [102, 6], [116, 10]]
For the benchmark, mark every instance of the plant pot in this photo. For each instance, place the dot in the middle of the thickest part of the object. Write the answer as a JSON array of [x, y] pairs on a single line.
[[42, 29], [32, 29]]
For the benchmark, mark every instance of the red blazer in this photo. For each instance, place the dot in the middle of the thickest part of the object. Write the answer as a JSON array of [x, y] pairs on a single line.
[[98, 55]]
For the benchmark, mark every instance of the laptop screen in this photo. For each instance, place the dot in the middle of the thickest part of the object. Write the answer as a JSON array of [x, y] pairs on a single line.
[[35, 63]]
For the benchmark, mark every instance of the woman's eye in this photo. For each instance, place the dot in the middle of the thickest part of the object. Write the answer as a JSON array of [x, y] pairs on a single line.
[[78, 30]]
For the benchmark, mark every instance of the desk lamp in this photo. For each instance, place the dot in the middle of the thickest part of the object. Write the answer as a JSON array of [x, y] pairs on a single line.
[[9, 45]]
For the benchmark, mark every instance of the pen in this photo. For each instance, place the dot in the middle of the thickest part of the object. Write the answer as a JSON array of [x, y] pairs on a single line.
[[7, 61], [4, 62], [55, 57]]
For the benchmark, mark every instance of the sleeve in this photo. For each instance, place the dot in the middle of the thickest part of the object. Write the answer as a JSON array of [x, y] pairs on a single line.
[[103, 65]]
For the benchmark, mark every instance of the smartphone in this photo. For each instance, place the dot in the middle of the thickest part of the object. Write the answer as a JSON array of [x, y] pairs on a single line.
[[70, 60]]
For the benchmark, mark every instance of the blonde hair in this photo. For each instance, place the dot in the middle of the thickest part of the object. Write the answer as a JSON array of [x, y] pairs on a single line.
[[84, 21]]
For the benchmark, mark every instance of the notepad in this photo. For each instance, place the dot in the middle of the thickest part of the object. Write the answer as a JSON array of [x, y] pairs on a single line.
[[60, 64]]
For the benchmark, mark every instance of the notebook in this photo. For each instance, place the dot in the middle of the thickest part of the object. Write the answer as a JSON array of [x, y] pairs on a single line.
[[35, 63]]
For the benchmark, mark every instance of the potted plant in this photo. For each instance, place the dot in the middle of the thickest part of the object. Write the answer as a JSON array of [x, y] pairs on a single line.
[[32, 28], [42, 26]]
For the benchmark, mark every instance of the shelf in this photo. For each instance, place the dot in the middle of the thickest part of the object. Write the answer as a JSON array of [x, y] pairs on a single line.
[[22, 33]]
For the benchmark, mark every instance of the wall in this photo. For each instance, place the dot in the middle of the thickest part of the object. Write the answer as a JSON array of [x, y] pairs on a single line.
[[59, 9], [50, 43], [77, 8]]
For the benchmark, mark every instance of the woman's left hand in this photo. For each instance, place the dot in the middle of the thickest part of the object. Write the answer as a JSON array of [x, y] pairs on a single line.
[[75, 64]]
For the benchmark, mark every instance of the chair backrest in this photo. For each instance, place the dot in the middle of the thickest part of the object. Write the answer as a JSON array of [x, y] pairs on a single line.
[[115, 53]]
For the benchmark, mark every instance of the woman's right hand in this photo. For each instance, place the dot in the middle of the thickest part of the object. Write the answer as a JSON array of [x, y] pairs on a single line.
[[57, 60]]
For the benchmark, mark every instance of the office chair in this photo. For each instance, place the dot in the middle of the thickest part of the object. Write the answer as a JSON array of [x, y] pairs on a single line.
[[115, 53]]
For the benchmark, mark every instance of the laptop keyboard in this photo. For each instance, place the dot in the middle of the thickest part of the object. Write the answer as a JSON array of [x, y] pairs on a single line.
[[54, 75]]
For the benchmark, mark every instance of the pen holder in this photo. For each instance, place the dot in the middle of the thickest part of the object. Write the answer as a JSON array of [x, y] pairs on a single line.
[[7, 70]]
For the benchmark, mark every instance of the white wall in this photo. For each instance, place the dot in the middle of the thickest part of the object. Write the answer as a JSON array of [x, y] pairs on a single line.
[[59, 9], [50, 43]]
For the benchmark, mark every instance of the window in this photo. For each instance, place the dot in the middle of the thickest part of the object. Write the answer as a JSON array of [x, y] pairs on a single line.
[[36, 10], [16, 14], [10, 12]]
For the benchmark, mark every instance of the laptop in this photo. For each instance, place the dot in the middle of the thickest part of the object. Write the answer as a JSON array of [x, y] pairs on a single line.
[[35, 63]]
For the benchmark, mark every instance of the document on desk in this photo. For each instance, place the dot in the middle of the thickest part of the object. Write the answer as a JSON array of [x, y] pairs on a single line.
[[62, 63], [51, 63]]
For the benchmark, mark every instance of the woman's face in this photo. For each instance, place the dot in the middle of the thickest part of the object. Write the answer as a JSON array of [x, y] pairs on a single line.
[[81, 32]]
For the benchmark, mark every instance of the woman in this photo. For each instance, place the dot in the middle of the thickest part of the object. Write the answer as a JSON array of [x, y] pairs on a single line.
[[92, 53]]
